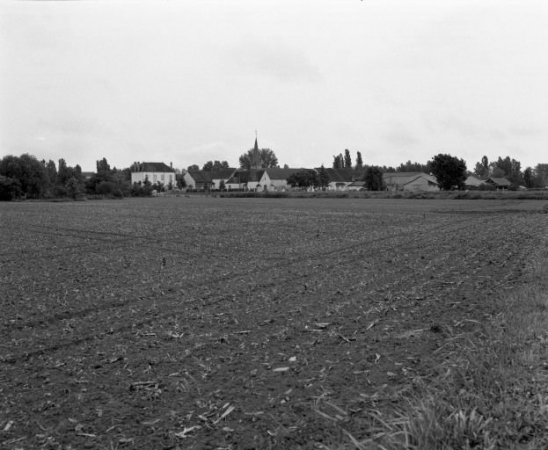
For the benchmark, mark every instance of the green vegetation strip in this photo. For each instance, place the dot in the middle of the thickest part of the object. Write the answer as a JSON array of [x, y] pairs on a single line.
[[492, 390]]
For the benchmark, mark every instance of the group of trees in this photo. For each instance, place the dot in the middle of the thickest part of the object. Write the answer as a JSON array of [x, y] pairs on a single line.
[[211, 166], [26, 176], [510, 169], [341, 161], [309, 178]]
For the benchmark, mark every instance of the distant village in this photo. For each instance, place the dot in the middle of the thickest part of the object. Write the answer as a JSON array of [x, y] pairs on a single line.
[[255, 175], [26, 176]]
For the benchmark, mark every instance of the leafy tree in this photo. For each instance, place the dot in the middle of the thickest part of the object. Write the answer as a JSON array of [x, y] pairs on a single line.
[[263, 158], [10, 188], [26, 169], [103, 166], [482, 168], [215, 165], [511, 169], [193, 167], [529, 178], [497, 172], [347, 159], [413, 167], [359, 161], [108, 179], [373, 179], [449, 171], [181, 183], [303, 179], [51, 172], [338, 161], [323, 177], [222, 185], [541, 175], [73, 187]]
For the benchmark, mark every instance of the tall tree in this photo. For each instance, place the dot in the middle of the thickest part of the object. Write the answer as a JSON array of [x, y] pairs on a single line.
[[373, 179], [541, 175], [529, 178], [347, 159], [323, 177], [103, 166], [193, 167], [258, 158], [482, 167], [338, 161], [449, 171], [359, 161]]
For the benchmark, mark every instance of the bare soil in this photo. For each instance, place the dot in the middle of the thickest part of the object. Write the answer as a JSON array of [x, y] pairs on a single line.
[[210, 323]]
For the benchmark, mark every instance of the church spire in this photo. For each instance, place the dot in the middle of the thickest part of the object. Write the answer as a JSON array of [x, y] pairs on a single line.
[[256, 157]]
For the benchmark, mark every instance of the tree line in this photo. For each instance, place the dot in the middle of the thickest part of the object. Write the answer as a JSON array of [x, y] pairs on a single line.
[[26, 176]]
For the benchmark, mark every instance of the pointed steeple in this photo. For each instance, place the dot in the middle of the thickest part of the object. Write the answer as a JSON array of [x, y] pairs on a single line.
[[256, 157]]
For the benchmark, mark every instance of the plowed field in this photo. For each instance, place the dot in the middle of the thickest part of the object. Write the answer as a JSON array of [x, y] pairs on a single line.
[[209, 323]]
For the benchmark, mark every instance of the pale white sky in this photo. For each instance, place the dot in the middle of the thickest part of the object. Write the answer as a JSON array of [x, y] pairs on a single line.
[[191, 81]]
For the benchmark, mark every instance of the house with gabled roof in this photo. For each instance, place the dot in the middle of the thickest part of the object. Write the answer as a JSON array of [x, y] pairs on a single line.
[[221, 176], [474, 182], [340, 179], [275, 178], [499, 183], [154, 172], [410, 181], [245, 179], [207, 179], [201, 180]]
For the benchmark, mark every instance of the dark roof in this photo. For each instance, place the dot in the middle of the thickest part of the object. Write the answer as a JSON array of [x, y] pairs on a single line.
[[246, 176], [151, 167], [275, 173], [201, 176], [222, 174], [340, 175], [401, 174], [499, 181]]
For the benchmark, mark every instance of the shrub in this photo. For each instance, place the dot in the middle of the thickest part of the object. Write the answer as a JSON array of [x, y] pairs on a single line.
[[105, 188]]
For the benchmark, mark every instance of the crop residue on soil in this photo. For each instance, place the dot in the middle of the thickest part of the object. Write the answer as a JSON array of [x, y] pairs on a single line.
[[203, 323]]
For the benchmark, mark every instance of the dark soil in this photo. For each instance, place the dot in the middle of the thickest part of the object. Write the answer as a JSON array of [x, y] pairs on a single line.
[[209, 323]]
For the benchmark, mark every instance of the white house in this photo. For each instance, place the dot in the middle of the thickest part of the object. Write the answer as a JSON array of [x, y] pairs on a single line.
[[154, 172], [275, 179]]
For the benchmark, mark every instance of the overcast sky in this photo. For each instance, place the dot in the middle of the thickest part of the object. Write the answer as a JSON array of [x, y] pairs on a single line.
[[190, 81]]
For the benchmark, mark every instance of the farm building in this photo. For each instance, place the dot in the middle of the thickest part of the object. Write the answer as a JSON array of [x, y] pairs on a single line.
[[356, 186], [410, 181], [201, 180], [474, 182], [207, 179], [499, 183], [154, 172], [245, 179], [340, 179], [275, 179]]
